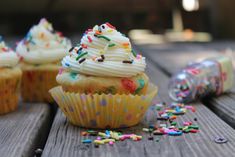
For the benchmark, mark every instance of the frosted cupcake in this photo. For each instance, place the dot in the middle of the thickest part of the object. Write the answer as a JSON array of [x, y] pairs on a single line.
[[103, 83], [10, 77], [41, 51]]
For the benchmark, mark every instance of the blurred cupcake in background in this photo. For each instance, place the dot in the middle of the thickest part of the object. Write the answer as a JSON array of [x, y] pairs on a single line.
[[41, 51], [10, 78], [103, 83]]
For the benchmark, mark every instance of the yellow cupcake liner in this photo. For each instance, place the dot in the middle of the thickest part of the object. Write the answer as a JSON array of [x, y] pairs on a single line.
[[9, 93], [36, 84], [105, 110]]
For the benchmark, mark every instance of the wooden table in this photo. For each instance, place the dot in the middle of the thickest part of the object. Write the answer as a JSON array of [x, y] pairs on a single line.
[[34, 126]]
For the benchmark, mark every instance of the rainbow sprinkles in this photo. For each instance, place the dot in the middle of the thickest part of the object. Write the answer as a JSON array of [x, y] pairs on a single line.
[[93, 37]]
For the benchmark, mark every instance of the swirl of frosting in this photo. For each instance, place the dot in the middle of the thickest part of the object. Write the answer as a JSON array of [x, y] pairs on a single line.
[[43, 45], [103, 51], [8, 58]]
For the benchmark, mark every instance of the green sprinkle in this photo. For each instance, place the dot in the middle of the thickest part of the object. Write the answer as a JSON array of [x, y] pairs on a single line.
[[180, 128], [173, 123], [158, 108], [194, 127], [141, 86], [73, 75], [81, 55], [187, 130], [104, 37], [111, 45], [133, 52]]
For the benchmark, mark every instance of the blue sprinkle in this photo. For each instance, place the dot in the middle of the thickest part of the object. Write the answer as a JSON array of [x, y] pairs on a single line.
[[107, 133], [67, 64], [177, 109], [87, 141], [175, 133]]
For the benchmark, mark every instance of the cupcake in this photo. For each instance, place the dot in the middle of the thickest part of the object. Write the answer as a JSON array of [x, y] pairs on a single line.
[[10, 77], [102, 82], [41, 51]]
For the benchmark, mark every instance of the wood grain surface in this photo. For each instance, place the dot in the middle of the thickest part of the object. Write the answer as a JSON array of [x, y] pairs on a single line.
[[65, 140], [24, 130]]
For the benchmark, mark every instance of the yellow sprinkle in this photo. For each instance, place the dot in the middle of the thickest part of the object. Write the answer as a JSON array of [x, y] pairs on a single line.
[[99, 142], [101, 52], [185, 128], [170, 111], [108, 140], [110, 31], [128, 50], [114, 135], [102, 134]]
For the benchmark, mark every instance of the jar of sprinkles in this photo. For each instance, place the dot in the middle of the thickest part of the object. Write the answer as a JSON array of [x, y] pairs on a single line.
[[212, 76]]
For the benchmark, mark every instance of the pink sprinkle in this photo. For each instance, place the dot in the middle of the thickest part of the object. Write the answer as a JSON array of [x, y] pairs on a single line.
[[188, 107], [98, 138], [61, 71], [128, 135], [191, 108], [138, 57], [187, 123], [111, 143], [89, 39], [60, 34]]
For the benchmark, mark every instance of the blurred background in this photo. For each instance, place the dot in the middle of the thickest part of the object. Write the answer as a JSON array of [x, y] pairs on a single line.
[[159, 20]]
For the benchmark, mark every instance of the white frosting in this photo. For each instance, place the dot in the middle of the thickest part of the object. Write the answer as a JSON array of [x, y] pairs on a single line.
[[42, 45], [8, 58], [112, 65]]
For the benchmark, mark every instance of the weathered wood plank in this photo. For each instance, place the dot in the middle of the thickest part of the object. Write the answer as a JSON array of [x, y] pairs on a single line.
[[173, 58], [64, 139], [24, 130]]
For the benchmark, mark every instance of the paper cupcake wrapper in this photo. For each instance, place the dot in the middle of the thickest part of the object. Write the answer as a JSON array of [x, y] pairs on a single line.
[[9, 93], [36, 84], [105, 110]]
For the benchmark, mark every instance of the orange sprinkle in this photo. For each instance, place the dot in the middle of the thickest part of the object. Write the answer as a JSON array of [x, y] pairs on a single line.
[[47, 45], [125, 44], [42, 35], [94, 58], [98, 32]]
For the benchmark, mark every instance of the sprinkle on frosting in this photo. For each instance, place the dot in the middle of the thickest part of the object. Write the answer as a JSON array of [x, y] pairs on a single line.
[[82, 60], [104, 52], [81, 55], [42, 44], [129, 62], [89, 39], [111, 45], [104, 37], [71, 49], [8, 58]]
